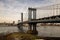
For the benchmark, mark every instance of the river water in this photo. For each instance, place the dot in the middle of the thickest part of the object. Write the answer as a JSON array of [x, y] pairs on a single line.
[[48, 31]]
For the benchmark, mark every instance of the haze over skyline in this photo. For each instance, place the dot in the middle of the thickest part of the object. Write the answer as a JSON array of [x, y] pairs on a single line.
[[10, 9]]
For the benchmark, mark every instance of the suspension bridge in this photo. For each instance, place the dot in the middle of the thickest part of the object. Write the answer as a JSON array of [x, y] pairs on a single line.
[[32, 21]]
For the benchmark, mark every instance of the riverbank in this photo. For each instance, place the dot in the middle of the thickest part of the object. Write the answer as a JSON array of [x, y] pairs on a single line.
[[25, 36], [17, 36]]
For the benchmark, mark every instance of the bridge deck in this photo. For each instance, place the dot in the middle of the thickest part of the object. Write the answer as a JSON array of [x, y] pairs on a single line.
[[43, 21], [51, 19]]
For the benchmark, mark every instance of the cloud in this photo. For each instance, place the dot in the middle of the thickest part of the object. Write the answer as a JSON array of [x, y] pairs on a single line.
[[13, 8]]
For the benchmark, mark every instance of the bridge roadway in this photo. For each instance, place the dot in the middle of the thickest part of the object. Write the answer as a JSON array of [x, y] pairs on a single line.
[[51, 19]]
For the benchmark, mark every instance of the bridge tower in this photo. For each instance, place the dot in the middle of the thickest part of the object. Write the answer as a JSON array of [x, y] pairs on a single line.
[[20, 26], [32, 15]]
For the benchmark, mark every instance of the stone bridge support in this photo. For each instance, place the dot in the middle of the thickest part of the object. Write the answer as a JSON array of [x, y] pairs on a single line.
[[32, 26]]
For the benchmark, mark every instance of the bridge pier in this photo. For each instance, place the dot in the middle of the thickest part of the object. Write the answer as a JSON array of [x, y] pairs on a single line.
[[32, 26], [32, 29]]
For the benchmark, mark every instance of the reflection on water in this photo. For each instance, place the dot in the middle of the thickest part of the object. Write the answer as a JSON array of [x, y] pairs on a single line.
[[42, 30], [53, 31], [8, 29]]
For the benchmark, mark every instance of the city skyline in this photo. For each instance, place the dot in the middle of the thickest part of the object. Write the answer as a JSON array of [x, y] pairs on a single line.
[[10, 10]]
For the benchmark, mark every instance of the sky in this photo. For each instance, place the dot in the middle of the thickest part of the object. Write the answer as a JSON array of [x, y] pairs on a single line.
[[10, 10]]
